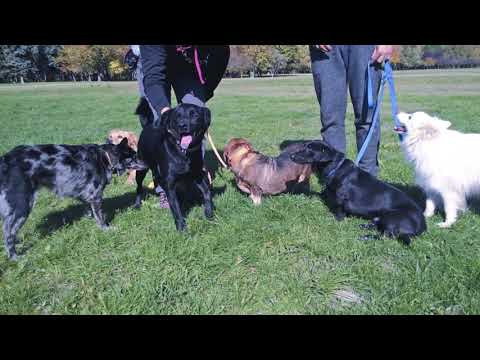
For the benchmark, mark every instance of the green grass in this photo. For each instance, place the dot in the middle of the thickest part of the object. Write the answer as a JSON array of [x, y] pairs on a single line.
[[288, 256]]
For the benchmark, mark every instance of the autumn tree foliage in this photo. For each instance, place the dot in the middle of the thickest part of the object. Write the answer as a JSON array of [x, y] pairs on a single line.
[[24, 63]]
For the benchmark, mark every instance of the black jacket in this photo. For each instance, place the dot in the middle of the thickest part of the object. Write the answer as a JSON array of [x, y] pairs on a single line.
[[163, 64]]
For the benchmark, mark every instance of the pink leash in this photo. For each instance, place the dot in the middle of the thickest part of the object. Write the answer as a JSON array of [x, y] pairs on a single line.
[[197, 61]]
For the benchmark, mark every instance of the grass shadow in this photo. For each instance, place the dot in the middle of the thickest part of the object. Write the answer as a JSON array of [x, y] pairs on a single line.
[[191, 199], [211, 162], [58, 219]]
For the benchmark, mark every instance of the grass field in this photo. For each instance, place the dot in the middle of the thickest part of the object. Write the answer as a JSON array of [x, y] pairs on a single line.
[[288, 256]]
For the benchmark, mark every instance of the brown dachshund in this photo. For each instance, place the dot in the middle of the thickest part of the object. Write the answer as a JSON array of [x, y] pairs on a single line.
[[258, 175], [115, 137]]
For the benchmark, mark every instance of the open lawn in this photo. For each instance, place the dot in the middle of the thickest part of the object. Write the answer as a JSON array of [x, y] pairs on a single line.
[[288, 256]]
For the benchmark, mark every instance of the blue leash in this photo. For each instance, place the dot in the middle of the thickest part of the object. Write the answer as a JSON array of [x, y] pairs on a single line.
[[387, 76]]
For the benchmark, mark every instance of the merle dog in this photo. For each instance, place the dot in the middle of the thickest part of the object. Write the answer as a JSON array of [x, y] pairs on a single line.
[[171, 147], [350, 190], [78, 171]]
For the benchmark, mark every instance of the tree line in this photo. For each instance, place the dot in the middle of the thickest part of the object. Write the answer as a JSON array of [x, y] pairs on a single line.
[[33, 63]]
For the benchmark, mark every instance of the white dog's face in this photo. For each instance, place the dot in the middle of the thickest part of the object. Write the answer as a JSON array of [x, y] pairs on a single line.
[[419, 120]]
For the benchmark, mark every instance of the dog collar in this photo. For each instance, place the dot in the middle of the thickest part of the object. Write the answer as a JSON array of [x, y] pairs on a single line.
[[110, 163], [108, 159], [332, 172]]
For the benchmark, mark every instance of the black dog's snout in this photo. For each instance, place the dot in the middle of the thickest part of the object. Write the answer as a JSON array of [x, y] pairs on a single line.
[[183, 126]]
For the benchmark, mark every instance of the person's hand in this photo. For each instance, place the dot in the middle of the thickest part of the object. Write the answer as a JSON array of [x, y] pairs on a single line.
[[324, 48], [382, 52]]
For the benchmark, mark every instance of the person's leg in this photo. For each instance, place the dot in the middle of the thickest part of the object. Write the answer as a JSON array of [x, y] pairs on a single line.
[[359, 59], [217, 63], [158, 189], [330, 80], [141, 90]]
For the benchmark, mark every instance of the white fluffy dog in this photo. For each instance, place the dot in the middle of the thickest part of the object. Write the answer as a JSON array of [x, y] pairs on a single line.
[[446, 162]]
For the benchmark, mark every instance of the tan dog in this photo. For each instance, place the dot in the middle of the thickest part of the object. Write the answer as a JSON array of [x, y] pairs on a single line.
[[258, 175], [115, 137]]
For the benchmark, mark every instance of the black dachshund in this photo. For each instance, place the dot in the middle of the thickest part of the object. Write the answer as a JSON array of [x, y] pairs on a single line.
[[172, 148], [352, 191]]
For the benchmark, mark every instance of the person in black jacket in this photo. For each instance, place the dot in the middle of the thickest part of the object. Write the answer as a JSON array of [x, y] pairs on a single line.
[[193, 72]]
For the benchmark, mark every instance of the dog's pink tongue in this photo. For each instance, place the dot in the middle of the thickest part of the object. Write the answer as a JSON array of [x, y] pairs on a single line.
[[185, 141]]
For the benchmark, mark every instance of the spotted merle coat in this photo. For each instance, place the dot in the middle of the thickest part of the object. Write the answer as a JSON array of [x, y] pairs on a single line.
[[78, 171]]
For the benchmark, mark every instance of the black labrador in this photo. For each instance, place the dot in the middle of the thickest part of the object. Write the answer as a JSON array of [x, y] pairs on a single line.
[[172, 149], [78, 171], [353, 191]]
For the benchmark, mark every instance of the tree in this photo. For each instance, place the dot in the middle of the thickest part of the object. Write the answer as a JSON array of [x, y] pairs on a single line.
[[43, 58], [459, 54], [278, 61], [117, 68], [411, 55], [239, 62], [395, 59], [303, 59], [73, 60], [16, 64], [87, 60], [29, 62], [260, 56], [100, 57]]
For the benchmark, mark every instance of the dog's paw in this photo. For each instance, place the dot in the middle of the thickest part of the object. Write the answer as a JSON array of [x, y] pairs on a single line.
[[257, 200], [209, 214], [182, 227], [138, 203], [428, 213], [108, 227], [367, 226], [339, 217], [444, 225], [14, 257], [369, 237]]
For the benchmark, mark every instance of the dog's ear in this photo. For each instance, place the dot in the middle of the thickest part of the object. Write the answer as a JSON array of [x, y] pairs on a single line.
[[162, 121], [443, 124], [124, 142], [225, 156], [207, 117]]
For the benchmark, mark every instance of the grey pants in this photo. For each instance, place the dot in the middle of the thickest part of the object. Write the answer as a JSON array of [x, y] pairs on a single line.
[[345, 67]]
